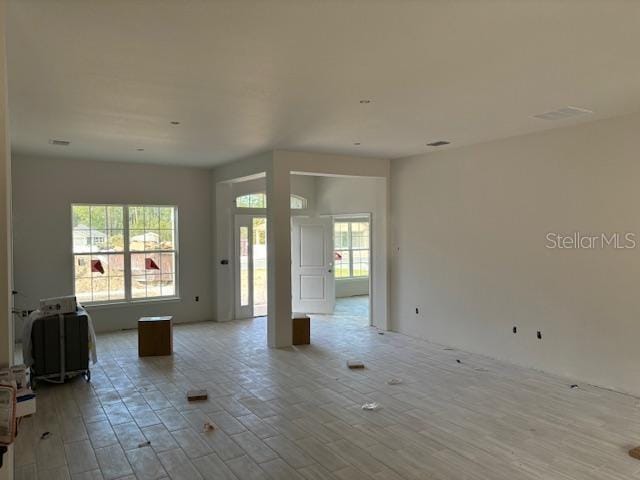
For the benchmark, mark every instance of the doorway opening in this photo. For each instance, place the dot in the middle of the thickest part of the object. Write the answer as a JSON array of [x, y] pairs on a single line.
[[337, 222], [330, 266], [352, 253], [332, 261]]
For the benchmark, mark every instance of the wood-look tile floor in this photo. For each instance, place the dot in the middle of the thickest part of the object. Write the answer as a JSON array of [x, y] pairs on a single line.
[[296, 413]]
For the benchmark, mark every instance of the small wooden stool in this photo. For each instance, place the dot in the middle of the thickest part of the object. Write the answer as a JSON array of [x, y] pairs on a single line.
[[301, 329], [155, 336]]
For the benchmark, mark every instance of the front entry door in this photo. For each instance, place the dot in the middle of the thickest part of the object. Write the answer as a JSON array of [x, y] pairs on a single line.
[[313, 287], [251, 266]]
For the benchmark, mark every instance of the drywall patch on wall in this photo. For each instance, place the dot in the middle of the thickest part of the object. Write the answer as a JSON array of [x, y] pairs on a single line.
[[469, 246]]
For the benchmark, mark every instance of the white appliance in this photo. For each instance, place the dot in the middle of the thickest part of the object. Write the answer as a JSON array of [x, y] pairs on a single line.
[[60, 305]]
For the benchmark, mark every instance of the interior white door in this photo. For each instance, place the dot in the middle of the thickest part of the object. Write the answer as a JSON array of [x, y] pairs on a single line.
[[313, 285]]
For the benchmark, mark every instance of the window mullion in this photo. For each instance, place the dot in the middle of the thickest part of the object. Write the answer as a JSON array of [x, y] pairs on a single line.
[[127, 253], [350, 237]]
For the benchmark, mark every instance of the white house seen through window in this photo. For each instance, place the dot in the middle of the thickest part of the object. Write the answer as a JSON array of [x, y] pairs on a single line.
[[351, 244], [124, 252]]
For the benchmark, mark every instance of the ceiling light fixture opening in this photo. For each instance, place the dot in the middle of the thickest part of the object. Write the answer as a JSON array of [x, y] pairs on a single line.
[[140, 149], [60, 143], [174, 122], [356, 143], [364, 101], [438, 143]]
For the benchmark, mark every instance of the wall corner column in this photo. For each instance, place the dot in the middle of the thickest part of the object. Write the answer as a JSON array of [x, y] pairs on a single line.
[[279, 254]]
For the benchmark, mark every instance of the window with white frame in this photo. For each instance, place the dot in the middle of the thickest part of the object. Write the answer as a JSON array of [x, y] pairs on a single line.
[[259, 200], [298, 202], [351, 244], [252, 200], [124, 252]]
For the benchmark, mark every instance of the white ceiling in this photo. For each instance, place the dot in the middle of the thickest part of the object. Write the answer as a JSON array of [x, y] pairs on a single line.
[[248, 76]]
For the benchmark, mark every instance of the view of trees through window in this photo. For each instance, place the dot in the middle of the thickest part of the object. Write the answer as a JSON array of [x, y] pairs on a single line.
[[124, 252], [351, 244], [259, 200]]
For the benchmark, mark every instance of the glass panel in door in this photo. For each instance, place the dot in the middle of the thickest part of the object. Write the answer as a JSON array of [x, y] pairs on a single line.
[[244, 266], [259, 251]]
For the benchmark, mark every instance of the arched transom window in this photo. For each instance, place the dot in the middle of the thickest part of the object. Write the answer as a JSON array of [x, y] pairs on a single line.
[[259, 200], [252, 200], [298, 202]]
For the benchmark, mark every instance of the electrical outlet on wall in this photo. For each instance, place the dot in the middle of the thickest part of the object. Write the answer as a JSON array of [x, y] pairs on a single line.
[[539, 335], [197, 298], [417, 311]]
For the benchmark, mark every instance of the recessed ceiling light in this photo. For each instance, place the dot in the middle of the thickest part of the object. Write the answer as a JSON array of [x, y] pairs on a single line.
[[61, 143], [365, 101], [438, 143], [174, 123], [140, 149], [356, 143]]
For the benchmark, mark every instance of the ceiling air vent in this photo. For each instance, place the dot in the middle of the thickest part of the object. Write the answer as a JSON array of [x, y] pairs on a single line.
[[61, 143], [439, 143], [562, 113]]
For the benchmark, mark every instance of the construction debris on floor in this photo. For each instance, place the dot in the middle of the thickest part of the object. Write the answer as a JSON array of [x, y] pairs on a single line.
[[394, 381], [353, 364], [197, 395], [635, 453], [208, 427], [370, 406]]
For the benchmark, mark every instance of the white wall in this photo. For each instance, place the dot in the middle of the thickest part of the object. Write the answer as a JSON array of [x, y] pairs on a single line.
[[222, 217], [44, 189], [351, 287], [353, 195], [6, 324], [6, 333], [470, 229]]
